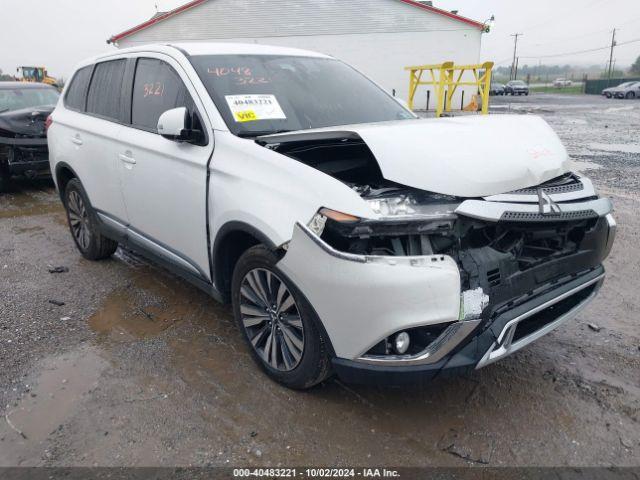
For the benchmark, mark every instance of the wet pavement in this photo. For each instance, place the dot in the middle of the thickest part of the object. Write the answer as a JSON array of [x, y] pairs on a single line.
[[133, 366]]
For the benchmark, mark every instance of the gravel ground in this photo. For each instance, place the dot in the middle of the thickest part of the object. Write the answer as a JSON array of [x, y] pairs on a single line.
[[132, 366]]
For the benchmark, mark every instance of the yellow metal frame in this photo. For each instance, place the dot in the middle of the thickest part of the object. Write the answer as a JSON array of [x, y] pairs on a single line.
[[446, 78]]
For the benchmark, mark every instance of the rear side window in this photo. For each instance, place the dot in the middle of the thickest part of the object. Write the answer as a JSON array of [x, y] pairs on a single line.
[[156, 89], [76, 94], [105, 91]]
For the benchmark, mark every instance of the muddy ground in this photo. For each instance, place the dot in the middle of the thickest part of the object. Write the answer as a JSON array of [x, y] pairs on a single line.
[[131, 366]]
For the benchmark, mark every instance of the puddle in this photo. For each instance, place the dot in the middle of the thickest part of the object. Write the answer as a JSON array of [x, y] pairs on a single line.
[[616, 147], [581, 165], [64, 381], [26, 204], [150, 304], [21, 230]]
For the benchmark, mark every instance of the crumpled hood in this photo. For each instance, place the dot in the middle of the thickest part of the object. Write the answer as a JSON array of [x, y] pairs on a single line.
[[467, 156], [26, 122], [471, 156]]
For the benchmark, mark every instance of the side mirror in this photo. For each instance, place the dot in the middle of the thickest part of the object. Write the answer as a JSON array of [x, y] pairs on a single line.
[[175, 124]]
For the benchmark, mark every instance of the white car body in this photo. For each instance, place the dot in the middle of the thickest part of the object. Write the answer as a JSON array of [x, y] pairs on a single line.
[[178, 201]]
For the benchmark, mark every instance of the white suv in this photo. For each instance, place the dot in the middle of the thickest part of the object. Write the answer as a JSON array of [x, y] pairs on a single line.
[[351, 237]]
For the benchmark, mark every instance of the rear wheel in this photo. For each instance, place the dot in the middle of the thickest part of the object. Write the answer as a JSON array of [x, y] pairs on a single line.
[[630, 95], [83, 224], [278, 323]]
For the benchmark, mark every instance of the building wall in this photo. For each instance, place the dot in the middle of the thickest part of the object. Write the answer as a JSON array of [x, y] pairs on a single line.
[[378, 37]]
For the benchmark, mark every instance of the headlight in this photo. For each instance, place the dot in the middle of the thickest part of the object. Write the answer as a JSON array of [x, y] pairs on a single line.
[[319, 220], [393, 206]]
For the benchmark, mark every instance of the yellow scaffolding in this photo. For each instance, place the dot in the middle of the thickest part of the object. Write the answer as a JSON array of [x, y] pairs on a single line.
[[446, 78]]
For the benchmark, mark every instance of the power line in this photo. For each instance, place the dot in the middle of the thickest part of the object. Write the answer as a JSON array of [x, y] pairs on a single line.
[[619, 44]]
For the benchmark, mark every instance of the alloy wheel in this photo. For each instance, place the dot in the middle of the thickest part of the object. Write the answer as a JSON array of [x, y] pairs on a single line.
[[79, 219], [271, 319]]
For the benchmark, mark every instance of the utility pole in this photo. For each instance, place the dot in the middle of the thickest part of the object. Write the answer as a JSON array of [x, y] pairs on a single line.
[[613, 44], [515, 49]]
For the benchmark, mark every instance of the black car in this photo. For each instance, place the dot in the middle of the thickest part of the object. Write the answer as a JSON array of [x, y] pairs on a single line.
[[496, 89], [24, 108], [516, 87]]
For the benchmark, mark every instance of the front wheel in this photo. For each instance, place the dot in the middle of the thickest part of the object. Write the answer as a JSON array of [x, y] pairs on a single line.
[[279, 325], [83, 224]]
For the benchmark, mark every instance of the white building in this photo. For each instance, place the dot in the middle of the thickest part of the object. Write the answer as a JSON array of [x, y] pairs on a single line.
[[379, 37]]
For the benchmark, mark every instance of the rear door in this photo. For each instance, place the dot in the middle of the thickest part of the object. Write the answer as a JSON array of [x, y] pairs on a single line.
[[164, 182], [90, 124]]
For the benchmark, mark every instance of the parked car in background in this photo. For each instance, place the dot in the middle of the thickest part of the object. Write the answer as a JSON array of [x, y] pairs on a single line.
[[24, 108], [516, 87], [350, 236], [562, 82], [612, 92], [632, 90], [496, 89]]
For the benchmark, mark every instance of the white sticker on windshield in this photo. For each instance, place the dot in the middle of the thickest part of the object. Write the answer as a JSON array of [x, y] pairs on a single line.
[[250, 108]]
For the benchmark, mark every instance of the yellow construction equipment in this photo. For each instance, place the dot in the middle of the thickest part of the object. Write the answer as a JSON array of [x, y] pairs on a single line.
[[36, 74], [446, 78]]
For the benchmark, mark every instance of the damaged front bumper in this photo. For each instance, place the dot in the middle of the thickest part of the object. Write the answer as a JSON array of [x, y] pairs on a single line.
[[362, 299]]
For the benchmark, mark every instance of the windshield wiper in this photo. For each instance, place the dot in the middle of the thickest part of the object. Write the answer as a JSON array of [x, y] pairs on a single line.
[[261, 133]]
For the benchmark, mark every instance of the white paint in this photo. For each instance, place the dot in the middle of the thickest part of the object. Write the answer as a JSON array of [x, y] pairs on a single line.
[[451, 155], [362, 303], [378, 37]]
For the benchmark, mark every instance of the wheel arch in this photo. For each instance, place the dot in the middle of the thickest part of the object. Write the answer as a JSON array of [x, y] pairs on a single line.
[[232, 240], [63, 174]]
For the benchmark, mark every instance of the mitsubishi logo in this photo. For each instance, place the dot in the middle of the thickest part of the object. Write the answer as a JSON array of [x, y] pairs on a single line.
[[546, 205]]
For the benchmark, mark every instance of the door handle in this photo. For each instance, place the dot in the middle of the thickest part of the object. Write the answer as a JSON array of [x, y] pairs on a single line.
[[127, 158], [77, 140]]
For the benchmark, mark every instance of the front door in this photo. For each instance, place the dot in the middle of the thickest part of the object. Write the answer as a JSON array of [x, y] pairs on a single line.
[[164, 182]]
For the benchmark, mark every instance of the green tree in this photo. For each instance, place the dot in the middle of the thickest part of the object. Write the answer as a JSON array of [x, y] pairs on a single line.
[[635, 68], [5, 78]]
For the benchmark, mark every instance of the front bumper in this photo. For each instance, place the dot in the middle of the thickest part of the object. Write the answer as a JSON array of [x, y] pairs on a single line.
[[362, 300], [489, 344], [25, 155]]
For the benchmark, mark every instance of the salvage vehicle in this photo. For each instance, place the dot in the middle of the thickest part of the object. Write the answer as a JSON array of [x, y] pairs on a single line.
[[628, 91], [24, 108], [622, 90], [496, 89], [350, 236], [516, 87]]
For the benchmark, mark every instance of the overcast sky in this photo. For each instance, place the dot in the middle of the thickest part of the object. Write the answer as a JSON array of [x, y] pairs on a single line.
[[59, 33]]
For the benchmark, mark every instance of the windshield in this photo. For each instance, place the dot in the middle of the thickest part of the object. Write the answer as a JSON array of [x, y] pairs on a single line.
[[517, 82], [19, 98], [263, 94]]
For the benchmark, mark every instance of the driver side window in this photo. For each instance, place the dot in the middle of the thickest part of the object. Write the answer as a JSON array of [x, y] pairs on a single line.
[[156, 88]]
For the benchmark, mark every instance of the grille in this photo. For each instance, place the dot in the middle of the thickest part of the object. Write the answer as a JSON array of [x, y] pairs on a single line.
[[535, 322], [550, 217], [563, 184], [30, 154]]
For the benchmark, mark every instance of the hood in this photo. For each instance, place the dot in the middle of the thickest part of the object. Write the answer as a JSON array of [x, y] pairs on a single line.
[[473, 156], [26, 122]]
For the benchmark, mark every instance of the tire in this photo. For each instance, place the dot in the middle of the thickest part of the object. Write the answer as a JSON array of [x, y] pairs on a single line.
[[630, 95], [292, 324], [83, 224], [608, 95], [526, 94]]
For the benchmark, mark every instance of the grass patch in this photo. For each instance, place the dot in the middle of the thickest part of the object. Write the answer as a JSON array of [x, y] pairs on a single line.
[[573, 89]]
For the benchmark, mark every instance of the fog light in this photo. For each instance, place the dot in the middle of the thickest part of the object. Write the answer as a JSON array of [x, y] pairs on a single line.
[[401, 343]]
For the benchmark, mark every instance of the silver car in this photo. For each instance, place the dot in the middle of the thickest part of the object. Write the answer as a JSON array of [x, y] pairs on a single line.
[[624, 90]]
